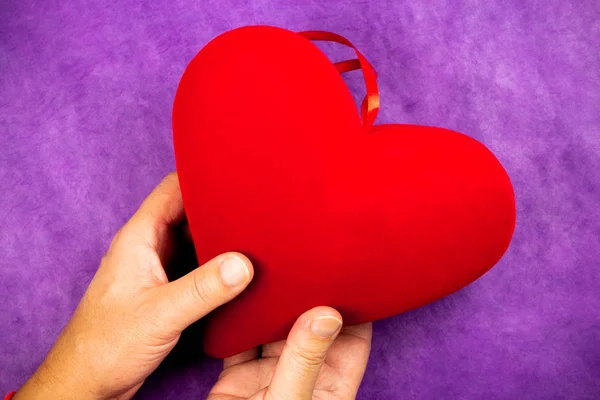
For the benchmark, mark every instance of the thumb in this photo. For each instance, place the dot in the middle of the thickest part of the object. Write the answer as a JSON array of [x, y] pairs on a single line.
[[303, 355], [189, 298]]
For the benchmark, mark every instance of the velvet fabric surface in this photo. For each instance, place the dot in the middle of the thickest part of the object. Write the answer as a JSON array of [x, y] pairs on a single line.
[[86, 92]]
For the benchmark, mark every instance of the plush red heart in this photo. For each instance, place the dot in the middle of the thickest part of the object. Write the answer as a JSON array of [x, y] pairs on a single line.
[[275, 162]]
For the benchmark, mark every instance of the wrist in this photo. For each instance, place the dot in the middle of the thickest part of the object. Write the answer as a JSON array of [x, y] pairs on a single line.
[[50, 385]]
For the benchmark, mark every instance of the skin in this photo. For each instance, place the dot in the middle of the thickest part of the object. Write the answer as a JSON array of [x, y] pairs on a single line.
[[131, 317]]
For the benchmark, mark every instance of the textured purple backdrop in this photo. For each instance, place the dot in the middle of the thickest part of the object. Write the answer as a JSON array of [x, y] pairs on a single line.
[[86, 90]]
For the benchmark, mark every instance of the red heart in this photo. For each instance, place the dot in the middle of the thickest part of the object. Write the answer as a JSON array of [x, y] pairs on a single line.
[[274, 162]]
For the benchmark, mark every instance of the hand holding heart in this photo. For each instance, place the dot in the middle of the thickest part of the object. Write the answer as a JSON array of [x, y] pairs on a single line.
[[131, 317]]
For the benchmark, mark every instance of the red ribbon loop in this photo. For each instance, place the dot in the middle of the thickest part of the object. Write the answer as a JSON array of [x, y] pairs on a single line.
[[370, 104]]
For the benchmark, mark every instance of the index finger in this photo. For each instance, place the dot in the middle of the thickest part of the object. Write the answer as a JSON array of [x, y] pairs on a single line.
[[162, 209]]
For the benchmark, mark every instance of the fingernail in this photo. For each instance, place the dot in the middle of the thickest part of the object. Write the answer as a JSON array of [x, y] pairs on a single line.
[[234, 271], [325, 327]]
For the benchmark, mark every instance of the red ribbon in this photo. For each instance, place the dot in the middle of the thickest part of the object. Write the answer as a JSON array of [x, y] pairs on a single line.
[[370, 104]]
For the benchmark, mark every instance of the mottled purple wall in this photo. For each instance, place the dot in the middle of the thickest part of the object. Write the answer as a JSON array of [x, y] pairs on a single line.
[[86, 90]]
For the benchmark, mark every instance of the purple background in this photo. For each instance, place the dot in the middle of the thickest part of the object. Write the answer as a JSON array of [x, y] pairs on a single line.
[[86, 90]]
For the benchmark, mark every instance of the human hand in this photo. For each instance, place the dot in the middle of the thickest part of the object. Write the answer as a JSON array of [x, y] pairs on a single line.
[[131, 316], [316, 362]]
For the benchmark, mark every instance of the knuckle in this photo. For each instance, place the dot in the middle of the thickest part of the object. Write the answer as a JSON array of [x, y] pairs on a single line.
[[105, 260], [116, 237], [120, 238], [204, 290], [268, 395], [306, 358], [171, 177]]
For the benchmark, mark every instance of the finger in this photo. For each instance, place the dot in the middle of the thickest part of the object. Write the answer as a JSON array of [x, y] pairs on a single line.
[[363, 332], [187, 231], [272, 349], [349, 354], [241, 358], [164, 204], [356, 333], [363, 335], [189, 298], [304, 354], [162, 209]]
